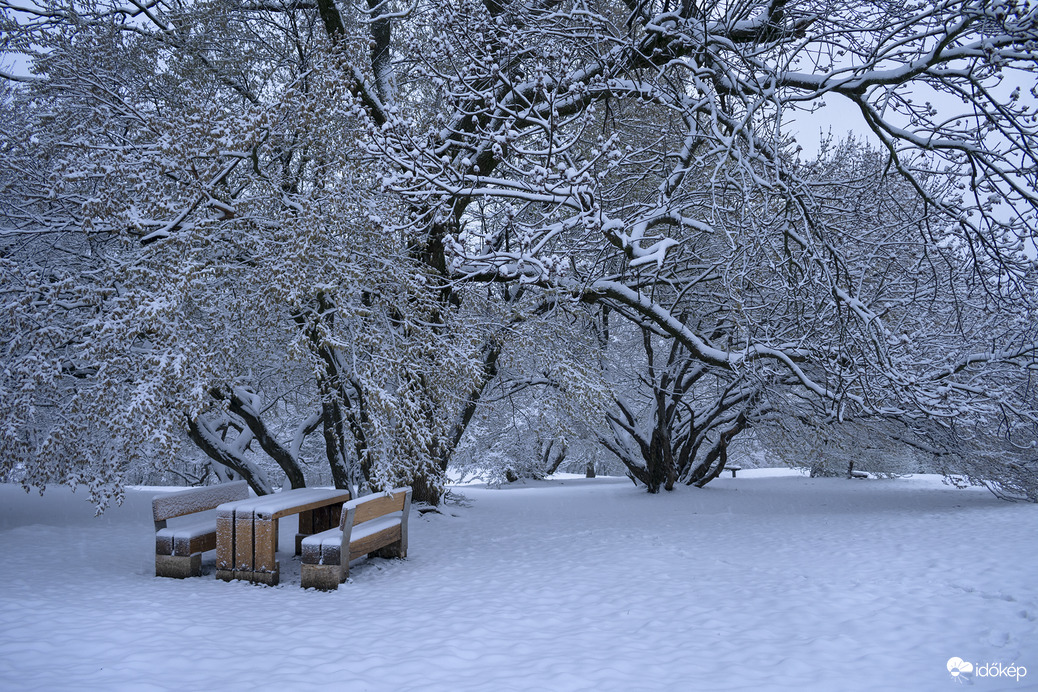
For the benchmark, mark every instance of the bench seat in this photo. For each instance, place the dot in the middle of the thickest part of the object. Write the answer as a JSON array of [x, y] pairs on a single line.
[[325, 548], [186, 538], [375, 525], [179, 548]]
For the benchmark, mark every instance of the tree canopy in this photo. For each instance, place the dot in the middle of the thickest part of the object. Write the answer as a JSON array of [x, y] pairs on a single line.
[[243, 223]]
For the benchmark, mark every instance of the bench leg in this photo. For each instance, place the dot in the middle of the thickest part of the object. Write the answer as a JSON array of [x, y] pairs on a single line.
[[225, 545], [266, 569], [393, 550], [315, 521], [178, 566], [244, 563], [306, 528], [323, 577]]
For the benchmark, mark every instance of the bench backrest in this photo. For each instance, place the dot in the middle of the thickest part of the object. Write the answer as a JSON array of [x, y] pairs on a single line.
[[175, 504], [376, 505]]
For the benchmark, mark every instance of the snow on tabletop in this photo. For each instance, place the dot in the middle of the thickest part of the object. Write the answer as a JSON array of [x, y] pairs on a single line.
[[289, 499], [768, 581]]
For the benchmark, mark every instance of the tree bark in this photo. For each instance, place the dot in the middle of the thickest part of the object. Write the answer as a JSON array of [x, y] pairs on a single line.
[[223, 456]]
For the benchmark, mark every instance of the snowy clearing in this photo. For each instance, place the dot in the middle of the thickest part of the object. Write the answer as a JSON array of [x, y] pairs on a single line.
[[769, 581]]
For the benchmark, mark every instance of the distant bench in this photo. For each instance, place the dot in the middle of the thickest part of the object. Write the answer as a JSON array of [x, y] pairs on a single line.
[[733, 469], [375, 525], [178, 549]]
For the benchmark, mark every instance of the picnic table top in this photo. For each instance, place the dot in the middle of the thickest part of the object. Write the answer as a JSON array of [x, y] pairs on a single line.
[[286, 502]]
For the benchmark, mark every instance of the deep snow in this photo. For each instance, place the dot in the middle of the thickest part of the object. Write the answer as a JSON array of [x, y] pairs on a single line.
[[769, 581]]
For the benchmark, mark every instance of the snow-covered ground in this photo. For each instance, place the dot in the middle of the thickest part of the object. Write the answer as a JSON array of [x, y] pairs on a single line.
[[769, 581]]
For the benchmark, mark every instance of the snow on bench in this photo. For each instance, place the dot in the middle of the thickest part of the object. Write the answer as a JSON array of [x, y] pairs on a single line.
[[375, 525], [178, 549], [247, 530]]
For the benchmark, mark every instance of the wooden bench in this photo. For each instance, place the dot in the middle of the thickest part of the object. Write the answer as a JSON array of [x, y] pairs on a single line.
[[178, 549], [375, 525], [247, 530], [851, 473]]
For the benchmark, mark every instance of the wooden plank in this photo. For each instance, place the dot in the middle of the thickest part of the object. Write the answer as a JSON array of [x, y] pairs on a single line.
[[331, 552], [163, 545], [402, 552], [195, 544], [376, 505], [243, 545], [202, 544], [317, 520], [225, 539], [265, 537], [370, 544], [306, 521], [327, 517]]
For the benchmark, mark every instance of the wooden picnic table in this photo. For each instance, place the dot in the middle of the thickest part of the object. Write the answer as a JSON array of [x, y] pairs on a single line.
[[247, 530]]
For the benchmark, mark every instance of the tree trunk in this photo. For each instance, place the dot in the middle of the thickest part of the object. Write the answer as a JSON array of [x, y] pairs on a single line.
[[660, 463], [426, 490], [333, 445], [554, 466], [248, 471]]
